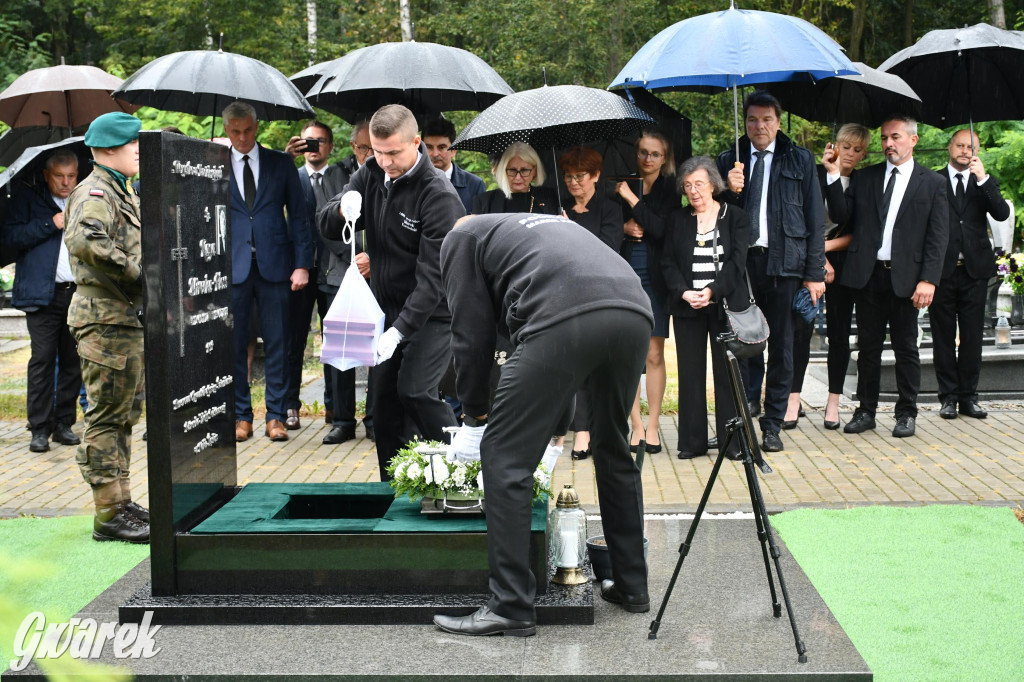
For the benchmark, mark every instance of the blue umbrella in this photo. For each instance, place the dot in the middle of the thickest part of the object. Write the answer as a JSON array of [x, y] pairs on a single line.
[[735, 47]]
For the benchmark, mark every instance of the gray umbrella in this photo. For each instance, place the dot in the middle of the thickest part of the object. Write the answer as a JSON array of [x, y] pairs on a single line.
[[16, 140], [552, 116], [203, 82], [428, 78], [868, 98], [964, 74]]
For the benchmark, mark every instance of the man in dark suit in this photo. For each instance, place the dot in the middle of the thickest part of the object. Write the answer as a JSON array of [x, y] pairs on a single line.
[[969, 263], [271, 255], [438, 136], [780, 193], [320, 182], [898, 214], [43, 287]]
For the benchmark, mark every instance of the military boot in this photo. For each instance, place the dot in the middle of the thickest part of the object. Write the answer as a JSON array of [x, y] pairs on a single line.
[[115, 523], [112, 521], [133, 509]]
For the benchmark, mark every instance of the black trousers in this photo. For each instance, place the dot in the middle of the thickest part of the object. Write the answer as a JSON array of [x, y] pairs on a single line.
[[300, 305], [877, 308], [536, 386], [691, 335], [774, 295], [839, 318], [959, 301], [406, 401], [50, 340], [802, 333]]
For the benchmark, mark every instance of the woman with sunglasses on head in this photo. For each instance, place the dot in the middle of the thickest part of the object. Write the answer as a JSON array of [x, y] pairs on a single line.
[[519, 174], [581, 171], [645, 217]]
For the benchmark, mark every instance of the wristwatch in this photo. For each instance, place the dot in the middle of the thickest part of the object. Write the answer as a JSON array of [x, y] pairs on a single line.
[[474, 421]]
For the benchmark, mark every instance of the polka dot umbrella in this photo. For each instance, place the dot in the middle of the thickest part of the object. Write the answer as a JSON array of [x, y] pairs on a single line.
[[552, 117]]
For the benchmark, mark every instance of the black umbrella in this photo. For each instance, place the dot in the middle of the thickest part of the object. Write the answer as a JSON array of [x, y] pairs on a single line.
[[27, 171], [65, 96], [425, 77], [552, 116], [868, 98], [203, 82], [16, 140], [964, 74]]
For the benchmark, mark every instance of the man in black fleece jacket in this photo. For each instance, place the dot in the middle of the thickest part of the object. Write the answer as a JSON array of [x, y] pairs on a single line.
[[573, 309], [408, 208]]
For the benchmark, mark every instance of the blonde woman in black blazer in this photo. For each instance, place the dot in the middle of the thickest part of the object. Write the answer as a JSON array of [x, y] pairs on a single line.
[[695, 295]]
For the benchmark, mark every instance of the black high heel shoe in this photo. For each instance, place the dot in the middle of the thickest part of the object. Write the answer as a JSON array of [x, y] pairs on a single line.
[[580, 454]]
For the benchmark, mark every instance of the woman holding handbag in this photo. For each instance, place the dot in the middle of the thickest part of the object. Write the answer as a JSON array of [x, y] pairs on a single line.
[[704, 264]]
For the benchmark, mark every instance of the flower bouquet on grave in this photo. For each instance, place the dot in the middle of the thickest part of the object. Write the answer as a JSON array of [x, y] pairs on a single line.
[[352, 325], [1010, 266], [422, 471]]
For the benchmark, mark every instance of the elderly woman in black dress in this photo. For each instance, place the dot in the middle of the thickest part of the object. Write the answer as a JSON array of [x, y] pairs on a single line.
[[581, 171], [519, 174], [644, 231], [704, 263]]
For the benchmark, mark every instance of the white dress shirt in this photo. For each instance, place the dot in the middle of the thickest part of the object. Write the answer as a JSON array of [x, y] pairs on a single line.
[[238, 167], [906, 169], [63, 261], [762, 237]]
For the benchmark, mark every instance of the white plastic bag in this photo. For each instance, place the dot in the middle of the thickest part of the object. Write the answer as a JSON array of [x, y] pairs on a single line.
[[352, 325]]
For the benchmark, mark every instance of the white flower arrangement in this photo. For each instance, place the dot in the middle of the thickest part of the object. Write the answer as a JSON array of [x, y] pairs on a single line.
[[421, 469]]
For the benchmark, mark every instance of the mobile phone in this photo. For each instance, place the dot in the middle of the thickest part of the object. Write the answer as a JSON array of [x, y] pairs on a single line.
[[312, 145]]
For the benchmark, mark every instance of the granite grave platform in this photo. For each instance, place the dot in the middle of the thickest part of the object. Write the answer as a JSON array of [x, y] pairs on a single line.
[[718, 626]]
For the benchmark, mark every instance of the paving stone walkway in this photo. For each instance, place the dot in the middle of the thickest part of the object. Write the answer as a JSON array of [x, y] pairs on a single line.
[[957, 461]]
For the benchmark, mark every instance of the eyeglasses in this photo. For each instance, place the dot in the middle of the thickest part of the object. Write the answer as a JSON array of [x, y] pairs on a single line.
[[513, 172], [362, 148], [644, 154], [694, 186], [578, 178]]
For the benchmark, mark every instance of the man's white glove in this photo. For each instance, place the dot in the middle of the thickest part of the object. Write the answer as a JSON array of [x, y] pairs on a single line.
[[386, 345], [465, 445]]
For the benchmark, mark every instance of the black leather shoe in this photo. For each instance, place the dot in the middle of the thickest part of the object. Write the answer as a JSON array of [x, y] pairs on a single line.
[[801, 413], [770, 442], [738, 456], [789, 424], [137, 511], [484, 622], [948, 410], [63, 434], [713, 443], [653, 449], [40, 442], [371, 435], [904, 427], [634, 603], [121, 526], [683, 454], [754, 407], [580, 454], [339, 435], [968, 409], [861, 422], [291, 420]]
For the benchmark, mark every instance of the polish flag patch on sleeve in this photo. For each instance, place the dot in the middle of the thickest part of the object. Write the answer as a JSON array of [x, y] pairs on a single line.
[[95, 192]]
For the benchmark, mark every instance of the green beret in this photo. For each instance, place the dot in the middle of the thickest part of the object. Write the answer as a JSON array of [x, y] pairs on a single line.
[[112, 130]]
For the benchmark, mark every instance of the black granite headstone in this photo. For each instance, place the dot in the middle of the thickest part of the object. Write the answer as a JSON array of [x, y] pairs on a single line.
[[189, 341]]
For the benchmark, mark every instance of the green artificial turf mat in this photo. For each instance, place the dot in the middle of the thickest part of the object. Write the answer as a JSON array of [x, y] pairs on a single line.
[[53, 565], [925, 593]]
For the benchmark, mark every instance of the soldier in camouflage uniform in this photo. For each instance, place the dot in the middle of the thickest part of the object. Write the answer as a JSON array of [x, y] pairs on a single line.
[[103, 237]]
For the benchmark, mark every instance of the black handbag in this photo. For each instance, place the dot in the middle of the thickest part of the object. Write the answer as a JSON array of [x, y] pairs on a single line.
[[748, 328]]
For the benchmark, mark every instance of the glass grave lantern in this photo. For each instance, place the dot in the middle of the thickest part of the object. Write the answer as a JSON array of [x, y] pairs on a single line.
[[567, 528]]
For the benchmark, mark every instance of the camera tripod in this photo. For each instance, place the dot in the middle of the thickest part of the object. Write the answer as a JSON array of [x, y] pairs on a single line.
[[741, 428]]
